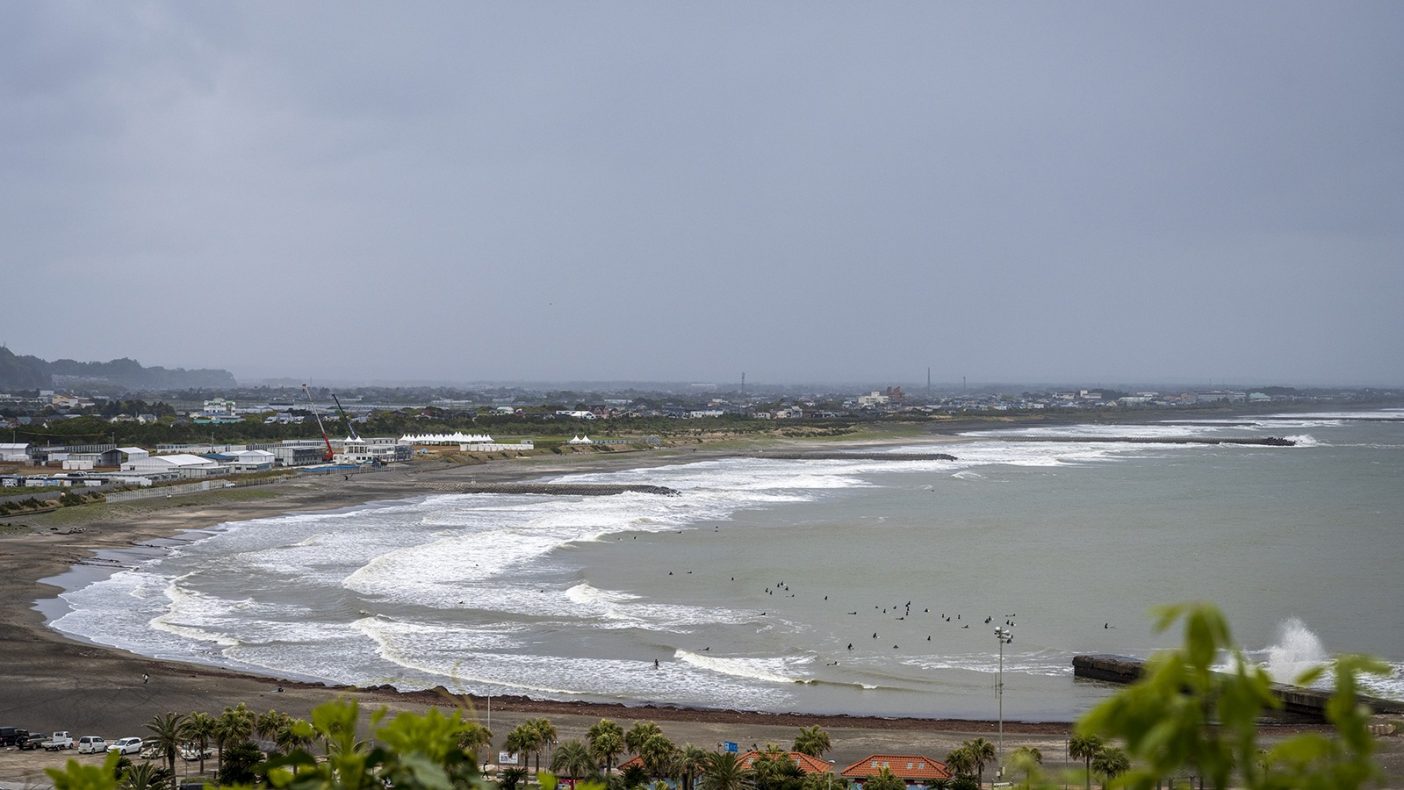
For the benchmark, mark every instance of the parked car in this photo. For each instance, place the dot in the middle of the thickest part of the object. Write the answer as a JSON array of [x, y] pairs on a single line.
[[92, 744], [126, 746], [11, 736], [192, 753], [31, 741], [57, 741]]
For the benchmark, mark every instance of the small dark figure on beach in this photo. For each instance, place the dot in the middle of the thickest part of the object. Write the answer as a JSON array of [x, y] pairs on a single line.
[[145, 678], [850, 645], [655, 663]]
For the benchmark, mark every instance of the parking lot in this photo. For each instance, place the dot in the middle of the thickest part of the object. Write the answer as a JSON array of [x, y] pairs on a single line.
[[25, 769]]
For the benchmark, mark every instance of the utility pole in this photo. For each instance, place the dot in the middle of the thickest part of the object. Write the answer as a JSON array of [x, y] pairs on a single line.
[[1004, 635]]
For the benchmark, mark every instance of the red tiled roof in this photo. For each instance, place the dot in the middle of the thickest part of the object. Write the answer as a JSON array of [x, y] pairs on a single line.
[[806, 763], [903, 766]]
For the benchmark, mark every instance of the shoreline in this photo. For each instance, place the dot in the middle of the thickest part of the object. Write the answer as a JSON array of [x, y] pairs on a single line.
[[55, 681]]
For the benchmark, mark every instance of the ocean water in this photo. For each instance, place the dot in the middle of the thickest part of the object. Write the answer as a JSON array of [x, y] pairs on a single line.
[[843, 586]]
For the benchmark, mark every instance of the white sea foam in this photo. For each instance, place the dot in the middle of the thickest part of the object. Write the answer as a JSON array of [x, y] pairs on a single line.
[[770, 670], [1045, 663], [1297, 650]]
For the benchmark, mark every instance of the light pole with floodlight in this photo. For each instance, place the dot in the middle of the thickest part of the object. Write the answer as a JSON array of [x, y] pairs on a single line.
[[1004, 636]]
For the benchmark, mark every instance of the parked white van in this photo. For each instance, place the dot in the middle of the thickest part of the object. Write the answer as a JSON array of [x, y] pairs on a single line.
[[92, 744]]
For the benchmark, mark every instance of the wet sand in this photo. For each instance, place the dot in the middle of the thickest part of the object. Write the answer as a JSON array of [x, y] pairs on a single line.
[[50, 682]]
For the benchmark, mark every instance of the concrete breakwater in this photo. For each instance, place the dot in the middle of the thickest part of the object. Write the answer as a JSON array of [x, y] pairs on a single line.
[[1265, 441], [832, 456], [1296, 700], [553, 489]]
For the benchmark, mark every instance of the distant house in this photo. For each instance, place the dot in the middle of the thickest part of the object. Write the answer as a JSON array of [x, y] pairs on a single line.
[[914, 769]]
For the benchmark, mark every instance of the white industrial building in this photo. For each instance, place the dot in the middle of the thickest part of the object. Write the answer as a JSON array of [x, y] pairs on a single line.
[[14, 453], [247, 460], [366, 450], [181, 464]]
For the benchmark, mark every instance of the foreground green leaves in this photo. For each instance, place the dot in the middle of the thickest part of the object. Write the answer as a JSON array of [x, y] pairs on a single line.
[[1185, 716]]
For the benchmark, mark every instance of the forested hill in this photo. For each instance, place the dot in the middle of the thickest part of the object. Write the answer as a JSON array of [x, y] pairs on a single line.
[[28, 373]]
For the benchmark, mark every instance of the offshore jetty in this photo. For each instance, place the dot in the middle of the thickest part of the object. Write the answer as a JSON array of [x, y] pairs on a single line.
[[1296, 700], [553, 489], [1262, 441]]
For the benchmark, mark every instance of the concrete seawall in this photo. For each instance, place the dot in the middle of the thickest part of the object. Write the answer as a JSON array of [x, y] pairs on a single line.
[[1295, 699], [552, 489]]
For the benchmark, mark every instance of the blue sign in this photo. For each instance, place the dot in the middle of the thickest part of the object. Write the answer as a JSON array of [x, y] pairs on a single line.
[[730, 746]]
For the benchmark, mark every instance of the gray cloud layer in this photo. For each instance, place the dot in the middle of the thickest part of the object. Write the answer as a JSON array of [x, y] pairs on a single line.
[[685, 191]]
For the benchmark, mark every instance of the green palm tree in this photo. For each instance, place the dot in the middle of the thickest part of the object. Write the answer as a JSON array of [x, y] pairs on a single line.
[[166, 733], [982, 752], [199, 728], [233, 727], [884, 779], [145, 776], [545, 737], [606, 741], [573, 760], [658, 755], [269, 724], [725, 772], [960, 761], [521, 739], [1026, 759], [291, 737], [640, 732], [775, 770], [474, 738], [1085, 747], [1110, 763], [692, 761], [812, 741]]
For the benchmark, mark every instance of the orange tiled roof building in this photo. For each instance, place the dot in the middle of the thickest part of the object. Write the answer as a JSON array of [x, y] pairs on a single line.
[[914, 769]]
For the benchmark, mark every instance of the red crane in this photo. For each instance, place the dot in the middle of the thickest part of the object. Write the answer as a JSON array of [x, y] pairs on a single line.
[[329, 454]]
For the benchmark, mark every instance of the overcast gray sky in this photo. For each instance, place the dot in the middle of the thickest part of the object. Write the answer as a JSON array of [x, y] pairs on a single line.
[[683, 191]]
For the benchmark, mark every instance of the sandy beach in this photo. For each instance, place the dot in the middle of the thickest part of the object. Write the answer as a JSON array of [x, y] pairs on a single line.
[[51, 682]]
